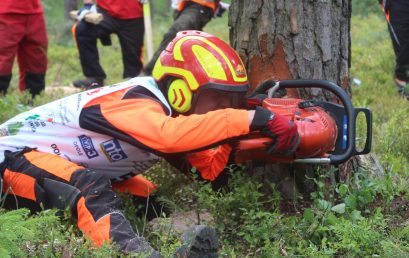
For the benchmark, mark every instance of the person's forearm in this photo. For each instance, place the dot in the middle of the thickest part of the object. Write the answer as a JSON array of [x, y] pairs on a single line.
[[88, 1], [146, 122]]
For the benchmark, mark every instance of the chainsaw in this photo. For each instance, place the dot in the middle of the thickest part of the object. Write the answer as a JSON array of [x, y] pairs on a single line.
[[327, 130]]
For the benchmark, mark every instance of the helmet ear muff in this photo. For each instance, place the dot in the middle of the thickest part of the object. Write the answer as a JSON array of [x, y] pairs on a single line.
[[180, 96]]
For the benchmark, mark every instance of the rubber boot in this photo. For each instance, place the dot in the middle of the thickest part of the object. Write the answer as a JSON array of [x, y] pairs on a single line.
[[35, 83], [4, 83], [89, 83]]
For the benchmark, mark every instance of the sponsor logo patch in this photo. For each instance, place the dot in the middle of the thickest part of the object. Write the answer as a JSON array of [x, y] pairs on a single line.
[[11, 129], [14, 128], [88, 146], [240, 71], [113, 150], [55, 148], [35, 122]]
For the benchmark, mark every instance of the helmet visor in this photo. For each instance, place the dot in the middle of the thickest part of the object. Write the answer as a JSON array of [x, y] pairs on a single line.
[[214, 98]]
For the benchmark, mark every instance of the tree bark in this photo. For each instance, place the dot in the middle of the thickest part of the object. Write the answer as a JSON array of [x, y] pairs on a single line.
[[294, 39]]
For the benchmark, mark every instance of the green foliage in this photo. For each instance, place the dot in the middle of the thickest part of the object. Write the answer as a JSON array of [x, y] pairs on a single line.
[[19, 233], [12, 103], [365, 7], [63, 65], [43, 235], [345, 224], [373, 63], [362, 217]]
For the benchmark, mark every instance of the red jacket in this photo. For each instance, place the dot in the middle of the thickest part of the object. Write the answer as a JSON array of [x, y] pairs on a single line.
[[20, 6], [122, 9], [212, 4]]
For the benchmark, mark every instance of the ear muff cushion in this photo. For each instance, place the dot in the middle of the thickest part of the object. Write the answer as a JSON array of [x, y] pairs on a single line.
[[180, 96]]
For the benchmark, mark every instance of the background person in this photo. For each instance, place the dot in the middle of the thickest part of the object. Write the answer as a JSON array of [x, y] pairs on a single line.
[[397, 16], [189, 15], [121, 17], [29, 43]]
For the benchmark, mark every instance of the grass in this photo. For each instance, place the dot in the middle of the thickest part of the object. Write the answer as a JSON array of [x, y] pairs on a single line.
[[366, 216], [373, 64]]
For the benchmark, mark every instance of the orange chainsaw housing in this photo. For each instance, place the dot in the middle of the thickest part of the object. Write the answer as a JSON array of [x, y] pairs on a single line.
[[317, 129]]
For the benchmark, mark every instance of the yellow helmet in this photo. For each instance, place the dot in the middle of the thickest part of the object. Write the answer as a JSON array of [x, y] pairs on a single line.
[[199, 72]]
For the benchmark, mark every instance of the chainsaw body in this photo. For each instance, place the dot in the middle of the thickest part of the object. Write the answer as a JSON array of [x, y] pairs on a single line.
[[326, 130]]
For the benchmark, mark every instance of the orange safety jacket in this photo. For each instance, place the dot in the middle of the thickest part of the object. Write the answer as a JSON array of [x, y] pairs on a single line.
[[210, 163], [121, 130], [212, 4]]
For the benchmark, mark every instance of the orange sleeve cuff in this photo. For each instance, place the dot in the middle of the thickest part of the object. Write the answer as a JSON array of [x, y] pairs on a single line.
[[210, 163]]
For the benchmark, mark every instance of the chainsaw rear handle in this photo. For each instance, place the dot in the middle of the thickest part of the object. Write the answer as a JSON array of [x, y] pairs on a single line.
[[348, 133]]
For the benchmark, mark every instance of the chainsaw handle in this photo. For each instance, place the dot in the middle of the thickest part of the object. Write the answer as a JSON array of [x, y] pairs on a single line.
[[368, 141], [349, 149]]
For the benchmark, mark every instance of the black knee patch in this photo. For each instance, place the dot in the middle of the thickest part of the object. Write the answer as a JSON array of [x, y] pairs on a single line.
[[97, 191]]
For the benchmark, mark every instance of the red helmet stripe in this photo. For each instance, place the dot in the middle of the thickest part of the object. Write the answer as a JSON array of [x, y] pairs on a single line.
[[176, 97], [183, 98]]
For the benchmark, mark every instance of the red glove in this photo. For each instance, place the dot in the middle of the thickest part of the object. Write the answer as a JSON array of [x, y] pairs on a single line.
[[279, 128]]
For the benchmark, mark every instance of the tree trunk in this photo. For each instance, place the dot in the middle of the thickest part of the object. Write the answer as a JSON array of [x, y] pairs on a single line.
[[69, 5], [293, 39]]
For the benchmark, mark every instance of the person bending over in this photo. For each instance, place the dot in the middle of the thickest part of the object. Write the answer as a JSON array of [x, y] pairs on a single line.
[[79, 148]]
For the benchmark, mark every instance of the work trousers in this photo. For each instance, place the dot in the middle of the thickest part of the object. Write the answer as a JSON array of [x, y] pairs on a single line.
[[24, 35], [193, 17], [130, 34], [399, 31], [98, 209]]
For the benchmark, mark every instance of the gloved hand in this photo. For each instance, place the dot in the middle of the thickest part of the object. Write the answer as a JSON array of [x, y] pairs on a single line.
[[255, 100], [279, 128], [143, 1], [259, 94], [87, 8], [84, 10], [264, 86]]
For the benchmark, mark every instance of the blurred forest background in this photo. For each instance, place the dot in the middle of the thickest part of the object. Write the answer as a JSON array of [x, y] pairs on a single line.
[[367, 216]]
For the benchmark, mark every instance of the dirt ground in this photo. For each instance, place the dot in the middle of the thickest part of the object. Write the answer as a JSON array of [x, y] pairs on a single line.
[[399, 207]]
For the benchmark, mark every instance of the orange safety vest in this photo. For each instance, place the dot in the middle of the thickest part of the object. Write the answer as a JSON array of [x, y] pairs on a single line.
[[213, 4]]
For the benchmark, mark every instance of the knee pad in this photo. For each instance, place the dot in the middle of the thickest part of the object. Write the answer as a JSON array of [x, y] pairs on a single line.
[[60, 195]]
